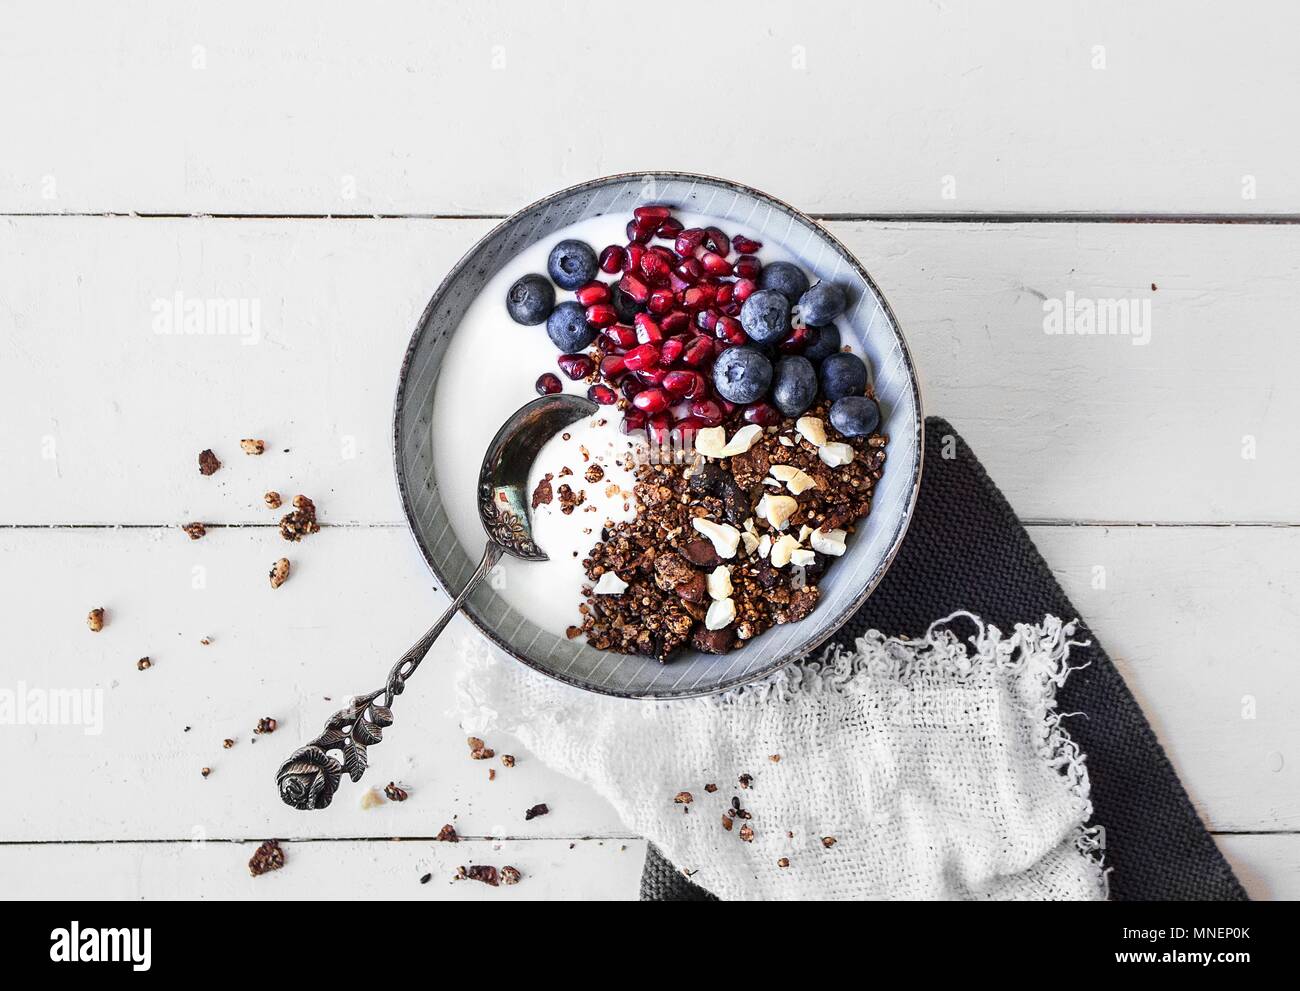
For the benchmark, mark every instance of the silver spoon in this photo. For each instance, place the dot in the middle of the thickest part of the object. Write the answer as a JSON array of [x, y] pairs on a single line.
[[308, 779]]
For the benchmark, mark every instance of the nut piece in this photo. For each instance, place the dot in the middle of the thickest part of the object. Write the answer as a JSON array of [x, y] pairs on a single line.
[[447, 834], [272, 499], [811, 429], [724, 537], [510, 875], [796, 480], [537, 810], [747, 833], [750, 541], [684, 798], [743, 440], [95, 619], [253, 446], [782, 550], [711, 441], [610, 584], [722, 613], [267, 857], [208, 462], [395, 792], [783, 862], [195, 530], [835, 455], [720, 582], [777, 509], [508, 760], [143, 664], [828, 542], [803, 557], [280, 572], [265, 725]]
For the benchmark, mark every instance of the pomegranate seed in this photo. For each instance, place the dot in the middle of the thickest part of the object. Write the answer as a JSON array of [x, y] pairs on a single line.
[[689, 271], [611, 259], [675, 322], [706, 320], [798, 339], [748, 267], [727, 408], [548, 384], [633, 420], [745, 246], [612, 365], [698, 352], [601, 315], [655, 210], [660, 427], [654, 267], [729, 329], [620, 335], [647, 331], [632, 258], [689, 424], [724, 293], [669, 229], [707, 412], [688, 240], [602, 394], [592, 293], [634, 287], [652, 376], [646, 356], [679, 383], [630, 386], [764, 414], [661, 301], [651, 401], [576, 366], [639, 231], [670, 350], [715, 240], [699, 297], [715, 264], [732, 309], [742, 289]]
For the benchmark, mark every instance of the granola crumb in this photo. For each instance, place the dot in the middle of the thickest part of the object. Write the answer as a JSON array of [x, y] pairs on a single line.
[[710, 788], [747, 833], [783, 862], [267, 857], [95, 619], [478, 872], [510, 875], [746, 780], [594, 473], [727, 823], [266, 725], [395, 793], [478, 750], [537, 810], [208, 463], [227, 743], [492, 773], [447, 834], [272, 499], [775, 758], [143, 664], [828, 841], [543, 494], [205, 771], [301, 522], [253, 446], [508, 760], [206, 641], [279, 572], [195, 530], [684, 798]]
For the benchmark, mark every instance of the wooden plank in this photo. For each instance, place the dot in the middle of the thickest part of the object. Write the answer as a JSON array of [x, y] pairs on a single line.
[[1183, 611], [445, 108], [587, 870], [1194, 426], [1268, 865]]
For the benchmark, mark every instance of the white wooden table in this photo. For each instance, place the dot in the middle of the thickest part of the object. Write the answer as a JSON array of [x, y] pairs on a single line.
[[328, 162]]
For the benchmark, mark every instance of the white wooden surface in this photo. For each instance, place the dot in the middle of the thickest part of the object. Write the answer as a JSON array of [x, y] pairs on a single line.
[[269, 136]]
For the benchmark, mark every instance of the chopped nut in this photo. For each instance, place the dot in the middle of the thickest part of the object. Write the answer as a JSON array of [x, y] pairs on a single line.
[[710, 441], [684, 798], [724, 537], [811, 429], [610, 584], [279, 572], [721, 614], [195, 530], [447, 834], [253, 446], [484, 873], [267, 857], [266, 725], [828, 542], [95, 619], [510, 875], [143, 664], [508, 760], [782, 550], [743, 440], [594, 473], [301, 522], [747, 833], [802, 557], [777, 509], [272, 499], [208, 462], [835, 455], [395, 793], [720, 582], [537, 810]]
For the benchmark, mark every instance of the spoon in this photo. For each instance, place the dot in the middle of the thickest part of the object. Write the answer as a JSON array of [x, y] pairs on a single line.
[[308, 779]]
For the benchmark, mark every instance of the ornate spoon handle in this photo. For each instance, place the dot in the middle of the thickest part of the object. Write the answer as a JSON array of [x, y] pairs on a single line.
[[308, 779]]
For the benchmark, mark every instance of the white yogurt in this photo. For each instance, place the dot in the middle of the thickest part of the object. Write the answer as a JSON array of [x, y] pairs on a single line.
[[489, 371]]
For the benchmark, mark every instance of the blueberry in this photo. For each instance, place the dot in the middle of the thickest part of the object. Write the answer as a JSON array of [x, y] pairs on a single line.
[[530, 300], [821, 304], [785, 278], [843, 374], [795, 386], [568, 329], [855, 416], [624, 305], [766, 316], [827, 343], [742, 375], [571, 264]]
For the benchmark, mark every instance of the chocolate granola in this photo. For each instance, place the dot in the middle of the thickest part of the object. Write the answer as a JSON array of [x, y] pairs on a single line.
[[696, 516]]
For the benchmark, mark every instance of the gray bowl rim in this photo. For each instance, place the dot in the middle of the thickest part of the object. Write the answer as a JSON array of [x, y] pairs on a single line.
[[790, 656]]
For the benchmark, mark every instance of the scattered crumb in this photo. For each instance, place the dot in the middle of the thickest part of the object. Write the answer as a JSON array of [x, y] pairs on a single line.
[[508, 760], [395, 793], [253, 446], [478, 750], [510, 875], [447, 834], [492, 773], [727, 823], [710, 788], [1154, 287], [828, 841], [143, 664], [746, 780], [570, 500], [684, 798], [279, 572], [227, 743], [371, 798], [775, 758], [783, 862], [266, 725], [208, 463], [206, 641], [301, 522], [272, 499], [95, 619], [267, 857], [478, 872], [594, 473], [542, 495], [537, 810], [425, 878], [573, 631], [195, 530], [205, 771], [747, 833]]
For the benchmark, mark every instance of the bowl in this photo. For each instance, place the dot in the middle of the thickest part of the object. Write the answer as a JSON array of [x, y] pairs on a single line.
[[868, 325]]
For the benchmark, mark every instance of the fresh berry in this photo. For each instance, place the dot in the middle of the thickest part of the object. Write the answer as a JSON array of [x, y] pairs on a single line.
[[611, 259], [688, 240], [742, 375], [766, 316], [707, 412], [794, 387], [825, 344], [640, 358], [668, 228], [715, 240], [620, 335], [591, 293], [729, 329], [576, 366], [601, 315], [612, 365], [698, 351], [571, 263], [548, 384], [647, 331], [624, 305], [842, 375], [748, 267], [651, 401], [654, 212], [855, 416], [798, 339], [568, 329], [602, 394], [634, 287], [786, 278], [745, 246], [764, 414], [683, 384], [670, 350], [821, 304], [530, 300]]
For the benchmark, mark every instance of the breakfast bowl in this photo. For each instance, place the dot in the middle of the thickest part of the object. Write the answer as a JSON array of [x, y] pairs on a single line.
[[469, 366]]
